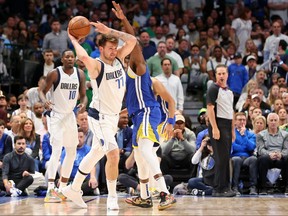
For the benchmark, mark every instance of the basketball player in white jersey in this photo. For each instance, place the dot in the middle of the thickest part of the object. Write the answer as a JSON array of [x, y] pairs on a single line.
[[65, 83], [108, 80]]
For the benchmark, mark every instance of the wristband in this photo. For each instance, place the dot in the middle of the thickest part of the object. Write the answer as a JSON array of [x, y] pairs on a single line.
[[281, 62], [171, 121]]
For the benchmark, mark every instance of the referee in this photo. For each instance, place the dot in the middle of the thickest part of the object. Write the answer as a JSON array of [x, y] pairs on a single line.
[[221, 130]]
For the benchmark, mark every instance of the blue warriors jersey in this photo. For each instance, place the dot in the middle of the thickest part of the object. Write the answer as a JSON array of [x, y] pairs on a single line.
[[139, 93], [163, 109]]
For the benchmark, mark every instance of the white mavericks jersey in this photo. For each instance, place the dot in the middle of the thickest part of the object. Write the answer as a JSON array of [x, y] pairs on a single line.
[[109, 88], [65, 91]]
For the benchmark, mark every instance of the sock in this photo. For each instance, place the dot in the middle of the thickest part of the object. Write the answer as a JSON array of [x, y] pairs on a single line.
[[144, 190], [62, 184], [51, 185], [162, 185], [111, 186], [77, 182]]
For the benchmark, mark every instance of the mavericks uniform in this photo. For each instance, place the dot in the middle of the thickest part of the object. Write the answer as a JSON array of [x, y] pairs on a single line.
[[64, 95], [142, 107], [108, 92]]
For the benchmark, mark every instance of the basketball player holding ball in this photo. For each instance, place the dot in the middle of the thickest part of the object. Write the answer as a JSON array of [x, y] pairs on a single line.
[[108, 80]]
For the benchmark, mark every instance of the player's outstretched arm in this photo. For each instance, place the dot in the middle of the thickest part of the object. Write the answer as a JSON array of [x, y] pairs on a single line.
[[137, 59], [91, 64], [129, 39]]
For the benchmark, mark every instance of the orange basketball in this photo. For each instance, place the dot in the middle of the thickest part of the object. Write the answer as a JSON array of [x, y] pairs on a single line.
[[79, 27]]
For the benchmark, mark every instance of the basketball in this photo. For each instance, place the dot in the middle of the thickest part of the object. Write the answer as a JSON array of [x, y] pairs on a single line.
[[79, 27]]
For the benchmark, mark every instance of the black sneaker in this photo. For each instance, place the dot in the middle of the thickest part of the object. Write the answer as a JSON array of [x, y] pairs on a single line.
[[138, 201], [286, 191], [253, 191]]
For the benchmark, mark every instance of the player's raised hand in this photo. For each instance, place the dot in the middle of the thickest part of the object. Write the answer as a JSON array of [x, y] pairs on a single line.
[[118, 11], [100, 27]]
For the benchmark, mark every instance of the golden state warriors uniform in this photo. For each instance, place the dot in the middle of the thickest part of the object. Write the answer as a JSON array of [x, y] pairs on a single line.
[[142, 107], [164, 116], [64, 95], [108, 92]]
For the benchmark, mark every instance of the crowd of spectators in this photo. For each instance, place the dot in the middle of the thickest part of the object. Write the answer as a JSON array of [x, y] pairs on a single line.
[[249, 37]]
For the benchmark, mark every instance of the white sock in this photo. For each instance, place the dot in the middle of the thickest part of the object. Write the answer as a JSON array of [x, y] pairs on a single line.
[[162, 185], [62, 184], [144, 190], [51, 185], [111, 186]]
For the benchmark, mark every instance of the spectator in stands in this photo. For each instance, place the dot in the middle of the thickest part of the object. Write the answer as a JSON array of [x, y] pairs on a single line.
[[282, 113], [172, 83], [202, 120], [33, 93], [11, 105], [203, 157], [90, 183], [170, 44], [154, 62], [280, 64], [272, 151], [273, 95], [271, 43], [22, 102], [204, 43], [278, 8], [148, 46], [3, 107], [38, 110], [57, 39], [260, 79], [124, 139], [243, 154], [159, 36], [259, 124], [44, 67], [82, 122], [195, 67], [6, 145], [278, 104], [15, 122], [27, 130], [237, 78], [252, 66], [178, 151], [182, 48], [17, 166], [250, 50], [217, 58], [245, 98]]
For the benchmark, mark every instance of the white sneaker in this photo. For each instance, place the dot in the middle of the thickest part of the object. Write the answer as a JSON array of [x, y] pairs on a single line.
[[112, 203], [74, 196]]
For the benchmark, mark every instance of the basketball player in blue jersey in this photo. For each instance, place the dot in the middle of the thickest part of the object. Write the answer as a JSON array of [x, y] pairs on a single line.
[[66, 83], [145, 113], [108, 80]]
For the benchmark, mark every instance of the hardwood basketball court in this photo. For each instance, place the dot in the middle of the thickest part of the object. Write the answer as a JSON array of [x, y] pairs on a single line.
[[186, 205]]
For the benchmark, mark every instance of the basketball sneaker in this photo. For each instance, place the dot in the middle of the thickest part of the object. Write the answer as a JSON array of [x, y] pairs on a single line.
[[60, 194], [166, 201], [74, 196], [138, 201], [52, 197]]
